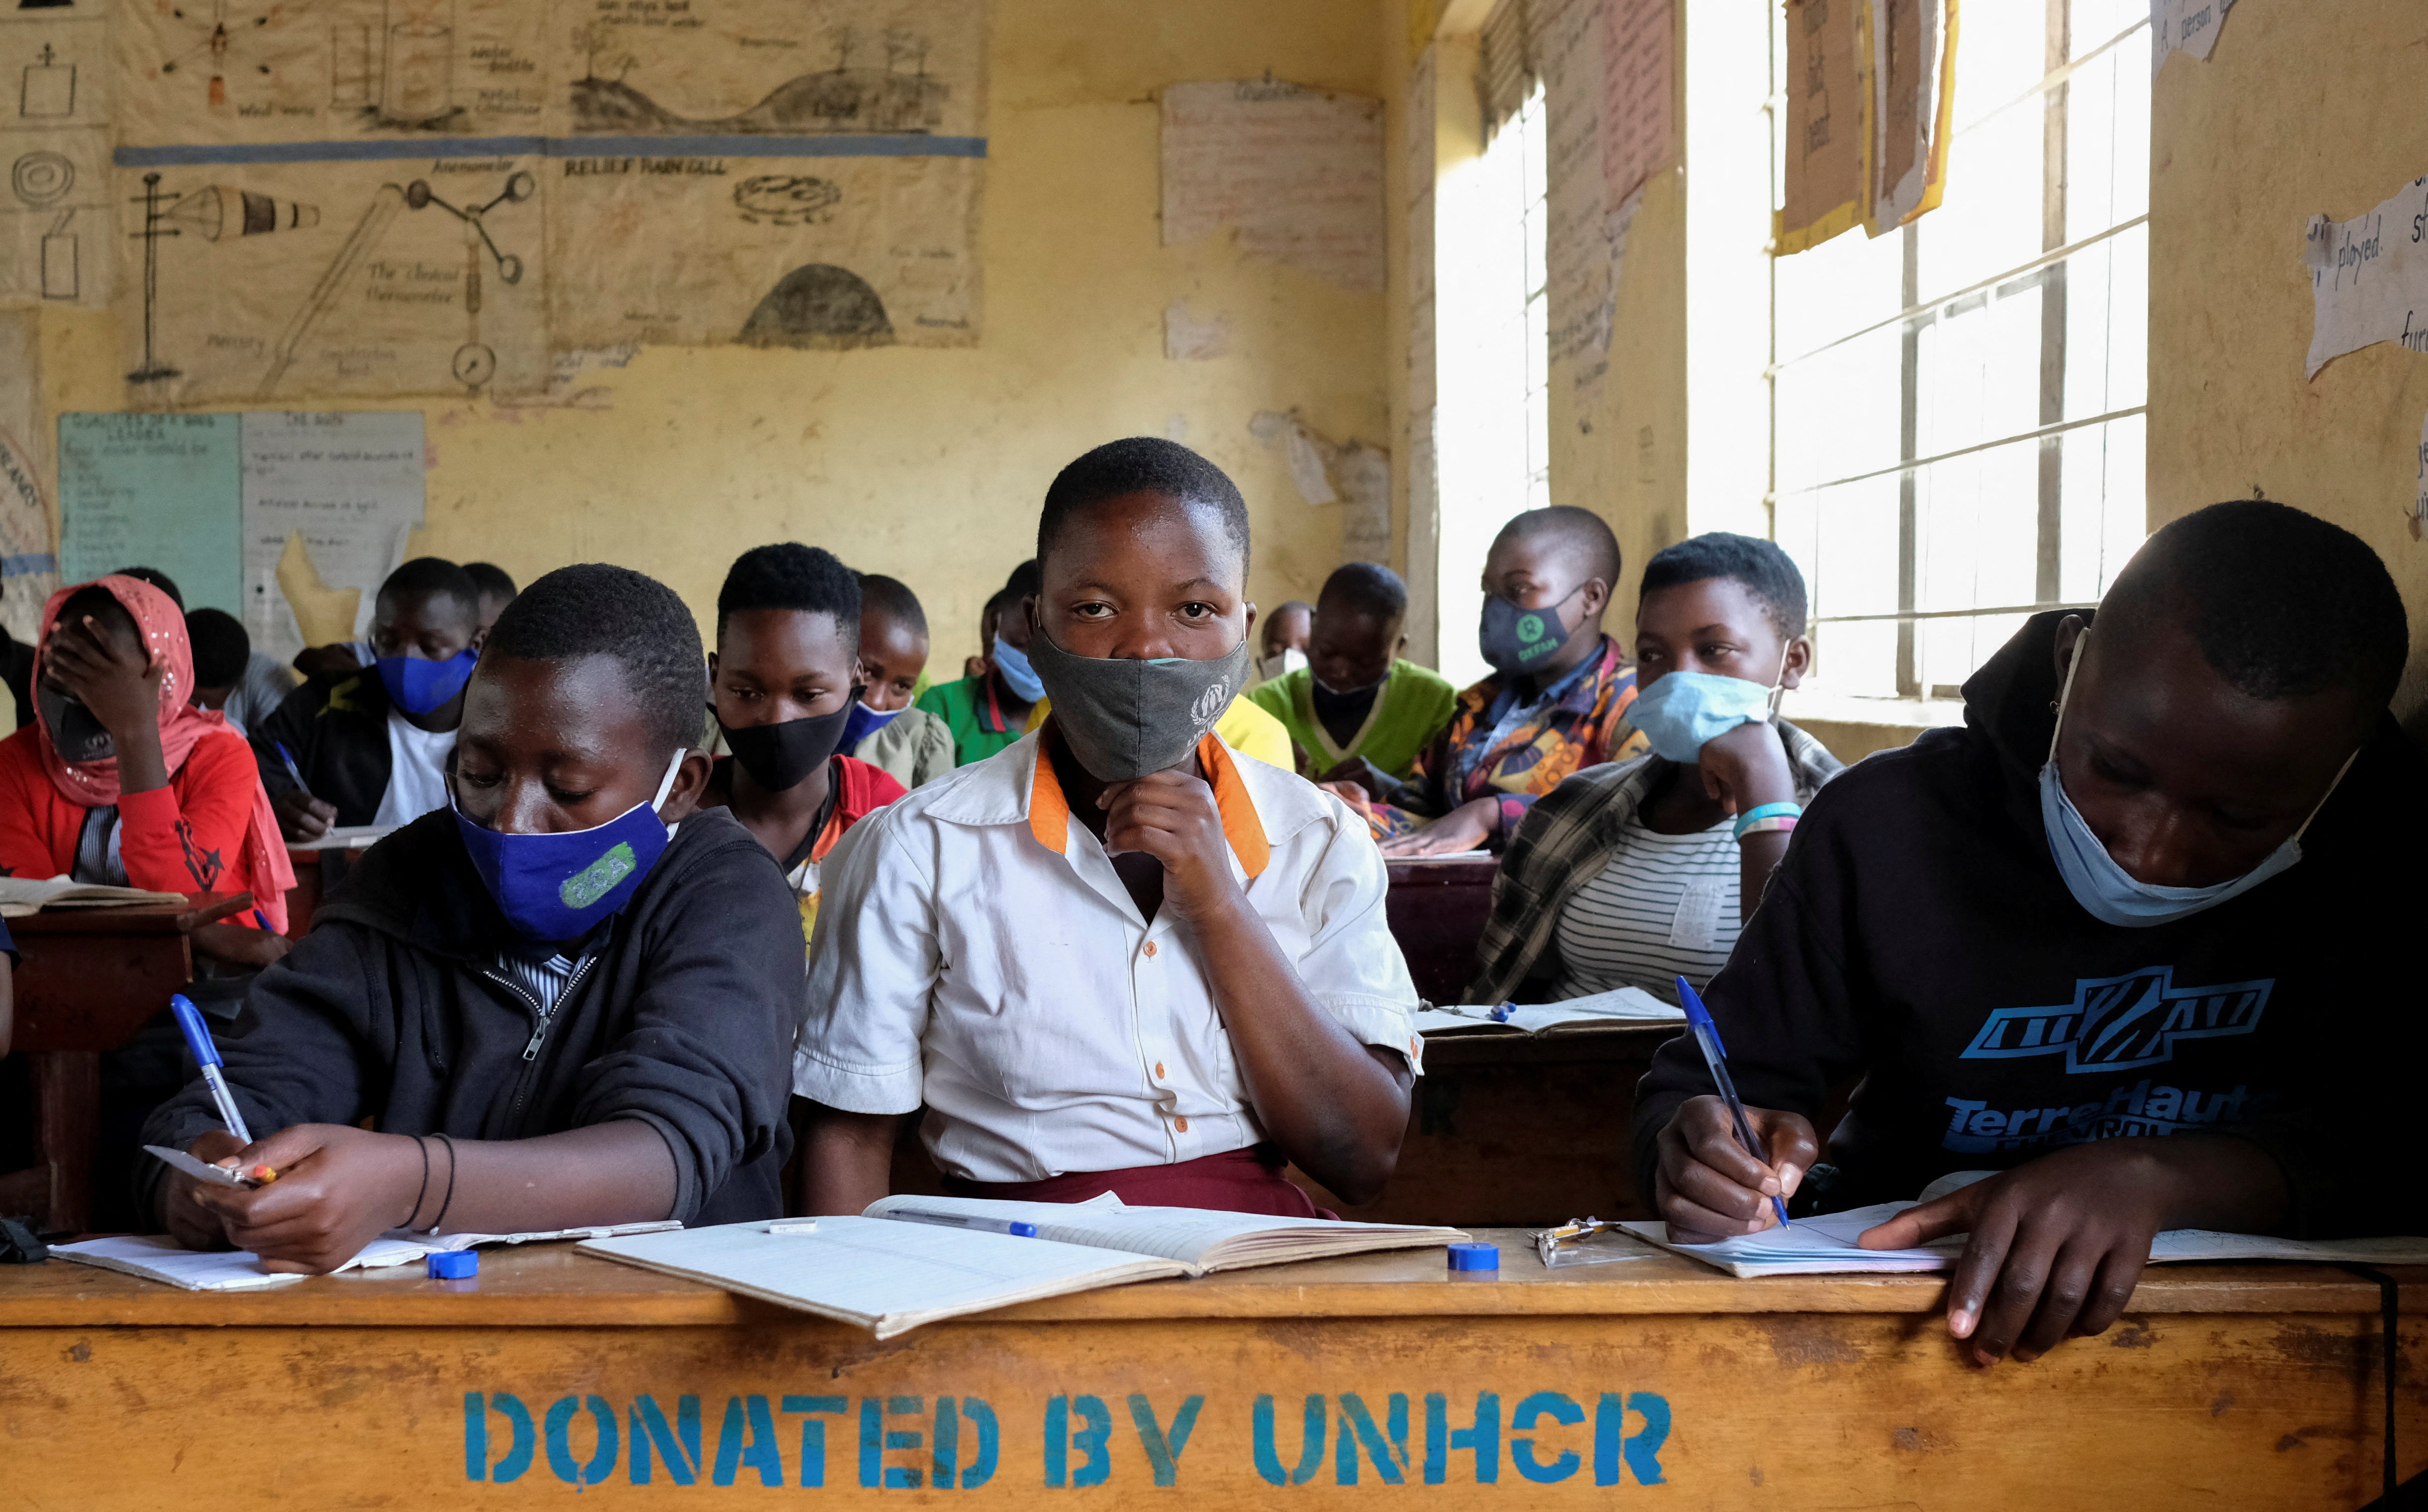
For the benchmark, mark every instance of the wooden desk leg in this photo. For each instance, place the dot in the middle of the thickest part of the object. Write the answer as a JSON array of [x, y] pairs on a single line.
[[67, 1098]]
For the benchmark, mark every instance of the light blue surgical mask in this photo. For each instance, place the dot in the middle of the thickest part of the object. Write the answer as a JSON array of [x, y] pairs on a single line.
[[2105, 890], [1680, 711], [1017, 675]]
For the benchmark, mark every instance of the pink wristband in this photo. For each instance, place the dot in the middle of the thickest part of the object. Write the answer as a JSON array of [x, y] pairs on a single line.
[[1767, 827]]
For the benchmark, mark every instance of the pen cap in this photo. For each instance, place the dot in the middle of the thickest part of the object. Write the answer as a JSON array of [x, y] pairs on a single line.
[[198, 1038], [453, 1265], [1697, 1016], [1475, 1256]]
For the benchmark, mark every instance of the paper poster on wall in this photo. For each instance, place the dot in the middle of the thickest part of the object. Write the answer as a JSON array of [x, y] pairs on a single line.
[[2185, 27], [1913, 81], [29, 551], [1637, 48], [1581, 277], [56, 242], [1826, 118], [1296, 172], [2369, 278], [331, 502], [264, 282], [155, 490]]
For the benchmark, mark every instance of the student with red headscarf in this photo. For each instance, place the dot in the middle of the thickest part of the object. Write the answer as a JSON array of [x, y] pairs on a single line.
[[121, 780]]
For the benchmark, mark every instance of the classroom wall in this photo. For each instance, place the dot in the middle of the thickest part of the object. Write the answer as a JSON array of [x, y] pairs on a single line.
[[930, 464], [2301, 109]]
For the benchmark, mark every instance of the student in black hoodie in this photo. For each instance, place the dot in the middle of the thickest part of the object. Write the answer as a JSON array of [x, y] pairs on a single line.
[[567, 1000], [2071, 943]]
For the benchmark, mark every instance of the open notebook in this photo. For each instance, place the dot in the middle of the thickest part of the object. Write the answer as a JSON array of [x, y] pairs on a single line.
[[1628, 1005], [20, 896], [890, 1275], [157, 1257], [1824, 1246]]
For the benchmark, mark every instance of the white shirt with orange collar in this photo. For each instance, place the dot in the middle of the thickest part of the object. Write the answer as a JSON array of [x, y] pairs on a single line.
[[976, 952]]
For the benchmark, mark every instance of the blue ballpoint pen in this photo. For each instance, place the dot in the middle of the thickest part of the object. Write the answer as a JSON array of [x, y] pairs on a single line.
[[962, 1220], [293, 770], [198, 1039], [1707, 1034]]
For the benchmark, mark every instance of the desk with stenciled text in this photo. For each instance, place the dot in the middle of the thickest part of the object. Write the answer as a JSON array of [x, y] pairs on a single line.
[[1374, 1380]]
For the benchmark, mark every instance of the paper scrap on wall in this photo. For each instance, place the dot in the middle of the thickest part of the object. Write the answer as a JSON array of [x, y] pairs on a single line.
[[1580, 273], [2369, 278], [1824, 177], [1187, 339], [28, 560], [1296, 172], [1324, 471], [2185, 27], [1638, 51], [331, 501], [1913, 81], [279, 280], [56, 242]]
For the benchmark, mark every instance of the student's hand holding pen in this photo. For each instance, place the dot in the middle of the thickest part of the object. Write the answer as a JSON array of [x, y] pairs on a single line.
[[2057, 1245], [338, 1188], [302, 817], [1707, 1187]]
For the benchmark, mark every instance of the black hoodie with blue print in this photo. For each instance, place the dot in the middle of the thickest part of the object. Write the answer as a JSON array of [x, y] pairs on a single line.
[[1918, 935]]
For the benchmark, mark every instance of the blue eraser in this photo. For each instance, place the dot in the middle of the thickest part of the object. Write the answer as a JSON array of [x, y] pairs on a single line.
[[453, 1265], [1475, 1256]]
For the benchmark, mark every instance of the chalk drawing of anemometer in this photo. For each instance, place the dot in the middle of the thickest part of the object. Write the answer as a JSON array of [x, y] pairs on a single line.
[[475, 364]]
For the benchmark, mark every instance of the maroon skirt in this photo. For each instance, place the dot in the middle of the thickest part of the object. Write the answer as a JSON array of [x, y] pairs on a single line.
[[1238, 1181]]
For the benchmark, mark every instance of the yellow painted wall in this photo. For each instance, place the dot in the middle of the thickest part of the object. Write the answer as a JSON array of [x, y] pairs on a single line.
[[2301, 109], [930, 465]]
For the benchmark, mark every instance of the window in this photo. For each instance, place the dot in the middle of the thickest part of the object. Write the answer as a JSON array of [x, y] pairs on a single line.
[[1959, 405]]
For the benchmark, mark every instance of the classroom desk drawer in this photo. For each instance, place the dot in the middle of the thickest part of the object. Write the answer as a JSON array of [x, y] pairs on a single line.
[[1373, 1380], [1436, 910]]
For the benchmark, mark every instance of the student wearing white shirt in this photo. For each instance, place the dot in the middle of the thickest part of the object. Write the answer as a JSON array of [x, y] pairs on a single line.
[[1113, 958]]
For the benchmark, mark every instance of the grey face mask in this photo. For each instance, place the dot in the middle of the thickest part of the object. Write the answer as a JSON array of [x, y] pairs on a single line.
[[76, 734], [1125, 718]]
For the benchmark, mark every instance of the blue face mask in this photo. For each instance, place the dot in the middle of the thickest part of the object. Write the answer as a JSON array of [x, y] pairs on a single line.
[[1680, 711], [1012, 663], [2105, 890], [559, 887], [419, 687], [865, 722]]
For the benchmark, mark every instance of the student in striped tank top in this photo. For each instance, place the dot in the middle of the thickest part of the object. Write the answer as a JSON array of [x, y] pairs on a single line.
[[1635, 873]]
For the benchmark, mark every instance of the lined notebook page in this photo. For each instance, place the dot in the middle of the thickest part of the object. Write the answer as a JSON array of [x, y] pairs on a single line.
[[157, 1257], [885, 1275], [1197, 1237]]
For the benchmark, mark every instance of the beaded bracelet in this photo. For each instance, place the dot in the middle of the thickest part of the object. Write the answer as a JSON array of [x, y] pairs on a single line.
[[1754, 816], [1764, 827]]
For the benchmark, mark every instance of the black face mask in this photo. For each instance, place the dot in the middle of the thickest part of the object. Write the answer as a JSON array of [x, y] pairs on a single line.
[[781, 756], [1516, 642], [76, 734], [1338, 712]]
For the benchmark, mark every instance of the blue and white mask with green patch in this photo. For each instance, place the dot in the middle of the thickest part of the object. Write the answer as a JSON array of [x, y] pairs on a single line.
[[559, 887]]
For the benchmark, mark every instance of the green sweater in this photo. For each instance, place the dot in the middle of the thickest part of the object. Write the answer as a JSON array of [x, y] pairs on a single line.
[[1415, 702], [981, 726]]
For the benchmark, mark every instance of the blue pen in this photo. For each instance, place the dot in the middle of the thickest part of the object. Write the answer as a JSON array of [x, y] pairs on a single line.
[[198, 1039], [293, 770], [1707, 1034], [962, 1220]]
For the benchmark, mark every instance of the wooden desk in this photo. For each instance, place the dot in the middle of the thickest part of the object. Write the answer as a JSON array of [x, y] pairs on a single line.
[[89, 979], [1436, 910], [1652, 1382]]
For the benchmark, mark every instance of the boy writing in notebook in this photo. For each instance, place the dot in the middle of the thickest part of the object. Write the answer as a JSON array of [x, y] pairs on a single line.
[[2123, 939], [1356, 703], [1114, 957], [562, 1002]]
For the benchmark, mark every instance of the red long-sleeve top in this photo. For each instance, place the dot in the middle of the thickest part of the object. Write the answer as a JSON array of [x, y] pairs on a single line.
[[187, 836]]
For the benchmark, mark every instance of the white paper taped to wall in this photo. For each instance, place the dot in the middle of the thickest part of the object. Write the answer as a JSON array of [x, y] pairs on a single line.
[[1297, 171], [2185, 27], [2369, 278]]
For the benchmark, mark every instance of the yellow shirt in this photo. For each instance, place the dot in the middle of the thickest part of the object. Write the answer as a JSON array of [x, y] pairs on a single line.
[[1244, 728]]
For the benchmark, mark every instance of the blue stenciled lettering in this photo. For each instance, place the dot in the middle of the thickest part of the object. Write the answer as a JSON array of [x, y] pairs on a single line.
[[1481, 1438], [875, 1439], [679, 1445], [1358, 1427], [989, 1434], [813, 1431], [748, 1436], [519, 1447], [1093, 1441], [559, 1444], [1561, 1409], [1310, 1454], [1163, 1449], [1639, 1450]]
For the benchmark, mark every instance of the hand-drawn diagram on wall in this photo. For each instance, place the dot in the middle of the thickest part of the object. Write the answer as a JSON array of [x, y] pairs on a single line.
[[54, 209], [777, 67], [281, 280], [288, 71]]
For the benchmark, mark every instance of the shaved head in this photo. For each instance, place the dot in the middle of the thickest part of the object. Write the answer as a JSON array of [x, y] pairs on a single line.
[[1582, 535]]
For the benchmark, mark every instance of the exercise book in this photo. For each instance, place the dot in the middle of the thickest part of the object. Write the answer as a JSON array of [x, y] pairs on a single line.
[[1626, 1005], [889, 1270], [157, 1257]]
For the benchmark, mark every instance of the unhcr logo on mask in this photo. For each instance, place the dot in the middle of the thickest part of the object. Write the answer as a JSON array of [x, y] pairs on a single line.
[[1211, 703], [598, 879]]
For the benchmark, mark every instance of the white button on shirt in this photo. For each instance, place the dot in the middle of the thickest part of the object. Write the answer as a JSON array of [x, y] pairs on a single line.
[[959, 961]]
